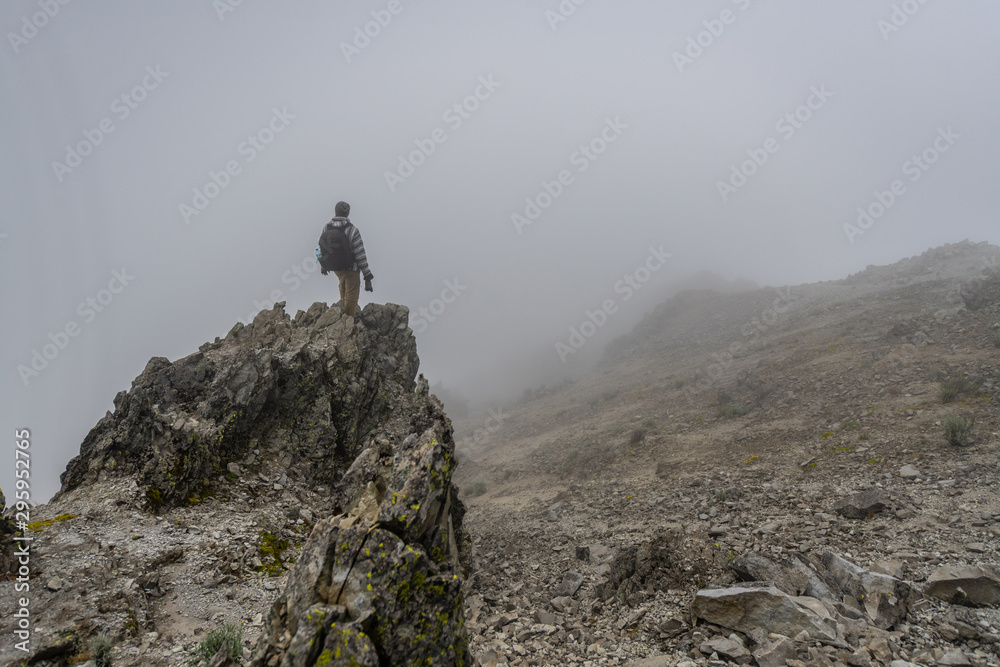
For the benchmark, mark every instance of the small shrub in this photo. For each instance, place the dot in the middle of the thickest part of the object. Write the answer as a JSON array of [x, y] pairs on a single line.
[[949, 391], [996, 338], [956, 429], [100, 648], [476, 489], [649, 422], [864, 435], [230, 635], [638, 435], [732, 410]]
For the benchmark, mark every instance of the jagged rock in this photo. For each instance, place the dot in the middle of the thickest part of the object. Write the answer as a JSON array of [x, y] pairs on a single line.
[[754, 566], [909, 472], [384, 579], [727, 648], [306, 387], [959, 584], [954, 658], [863, 504], [884, 598], [570, 584], [776, 652], [892, 568], [743, 609]]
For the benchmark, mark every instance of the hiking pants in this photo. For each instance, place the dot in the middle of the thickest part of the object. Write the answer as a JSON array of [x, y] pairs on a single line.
[[350, 290]]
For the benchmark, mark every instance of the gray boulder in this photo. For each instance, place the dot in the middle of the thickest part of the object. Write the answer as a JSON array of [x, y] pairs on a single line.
[[960, 584], [885, 599], [744, 609]]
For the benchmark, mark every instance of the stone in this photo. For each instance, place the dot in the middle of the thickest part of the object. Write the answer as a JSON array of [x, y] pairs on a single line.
[[954, 658], [726, 648], [909, 472], [754, 566], [570, 584], [863, 504], [561, 603], [775, 653], [233, 467], [966, 585], [743, 609], [891, 568], [654, 661], [884, 599]]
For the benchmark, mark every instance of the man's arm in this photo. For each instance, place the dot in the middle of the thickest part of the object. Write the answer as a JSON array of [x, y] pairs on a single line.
[[360, 258]]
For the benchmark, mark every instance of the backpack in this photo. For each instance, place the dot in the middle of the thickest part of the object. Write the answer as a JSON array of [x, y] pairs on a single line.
[[335, 248]]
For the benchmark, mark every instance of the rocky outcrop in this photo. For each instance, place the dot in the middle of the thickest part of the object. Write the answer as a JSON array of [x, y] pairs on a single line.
[[287, 480], [380, 584], [308, 384]]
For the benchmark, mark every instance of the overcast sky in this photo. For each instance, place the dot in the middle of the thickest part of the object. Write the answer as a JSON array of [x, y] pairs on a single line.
[[174, 163]]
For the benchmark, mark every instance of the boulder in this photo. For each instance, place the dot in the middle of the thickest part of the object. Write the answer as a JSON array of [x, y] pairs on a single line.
[[754, 566], [884, 599], [743, 609], [962, 584], [863, 504]]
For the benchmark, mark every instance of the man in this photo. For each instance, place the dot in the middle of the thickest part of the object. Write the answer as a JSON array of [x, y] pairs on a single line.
[[343, 252]]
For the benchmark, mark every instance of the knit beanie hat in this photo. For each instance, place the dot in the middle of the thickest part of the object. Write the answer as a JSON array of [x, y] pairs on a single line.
[[343, 209]]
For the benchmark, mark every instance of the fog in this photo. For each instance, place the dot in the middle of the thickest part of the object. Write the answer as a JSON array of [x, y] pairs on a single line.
[[168, 166]]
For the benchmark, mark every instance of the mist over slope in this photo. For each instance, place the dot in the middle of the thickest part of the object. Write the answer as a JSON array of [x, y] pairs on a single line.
[[794, 429]]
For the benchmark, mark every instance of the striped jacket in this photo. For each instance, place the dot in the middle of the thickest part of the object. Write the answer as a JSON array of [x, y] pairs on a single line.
[[357, 245]]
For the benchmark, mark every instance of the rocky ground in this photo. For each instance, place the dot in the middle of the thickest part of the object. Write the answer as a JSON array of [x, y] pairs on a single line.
[[725, 440]]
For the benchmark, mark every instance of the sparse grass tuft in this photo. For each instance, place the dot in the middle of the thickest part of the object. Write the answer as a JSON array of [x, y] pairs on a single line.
[[949, 391], [638, 435], [956, 429], [996, 338], [100, 648], [230, 635], [733, 410]]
